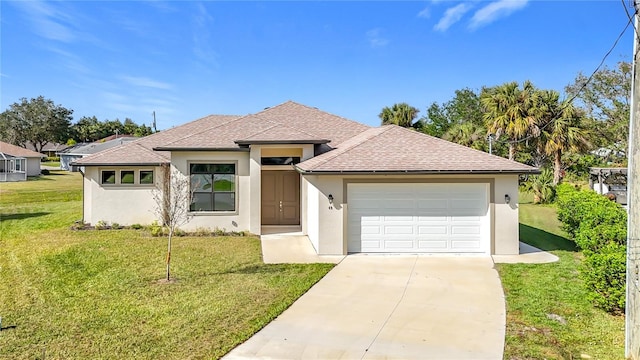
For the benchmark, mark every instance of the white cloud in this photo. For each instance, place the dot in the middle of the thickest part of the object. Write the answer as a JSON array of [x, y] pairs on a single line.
[[425, 13], [145, 82], [375, 38], [49, 21], [494, 11], [451, 16], [204, 52]]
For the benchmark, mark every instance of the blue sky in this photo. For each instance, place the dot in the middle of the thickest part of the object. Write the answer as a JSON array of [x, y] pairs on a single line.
[[185, 60]]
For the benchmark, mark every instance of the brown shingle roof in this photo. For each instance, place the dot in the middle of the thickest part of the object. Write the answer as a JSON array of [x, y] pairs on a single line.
[[18, 151], [131, 153], [392, 148], [287, 121]]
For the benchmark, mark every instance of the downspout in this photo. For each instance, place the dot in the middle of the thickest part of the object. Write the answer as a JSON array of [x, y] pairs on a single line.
[[82, 172]]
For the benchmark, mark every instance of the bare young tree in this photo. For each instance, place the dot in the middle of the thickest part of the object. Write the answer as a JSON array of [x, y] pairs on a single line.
[[172, 199]]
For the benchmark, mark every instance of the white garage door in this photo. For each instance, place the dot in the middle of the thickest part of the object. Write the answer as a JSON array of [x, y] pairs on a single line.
[[418, 218]]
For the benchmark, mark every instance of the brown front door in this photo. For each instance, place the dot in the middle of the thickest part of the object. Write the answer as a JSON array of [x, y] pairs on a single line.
[[280, 198]]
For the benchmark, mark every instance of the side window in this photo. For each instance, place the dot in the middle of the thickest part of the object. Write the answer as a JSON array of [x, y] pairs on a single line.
[[108, 176], [127, 177], [146, 176]]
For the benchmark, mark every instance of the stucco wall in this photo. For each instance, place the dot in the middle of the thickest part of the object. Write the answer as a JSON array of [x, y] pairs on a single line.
[[312, 214], [33, 166], [239, 220], [506, 224], [332, 234], [122, 204]]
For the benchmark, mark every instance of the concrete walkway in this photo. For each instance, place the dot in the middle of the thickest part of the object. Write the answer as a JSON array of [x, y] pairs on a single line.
[[391, 307]]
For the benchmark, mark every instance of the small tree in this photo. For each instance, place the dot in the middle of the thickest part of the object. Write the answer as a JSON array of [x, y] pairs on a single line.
[[172, 204]]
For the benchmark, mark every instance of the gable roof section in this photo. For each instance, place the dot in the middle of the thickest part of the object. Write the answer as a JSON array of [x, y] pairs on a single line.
[[17, 151], [289, 122], [393, 149], [131, 154], [313, 121]]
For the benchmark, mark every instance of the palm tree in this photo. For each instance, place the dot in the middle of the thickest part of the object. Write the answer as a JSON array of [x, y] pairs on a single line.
[[509, 112], [401, 114], [561, 130], [468, 134], [541, 186]]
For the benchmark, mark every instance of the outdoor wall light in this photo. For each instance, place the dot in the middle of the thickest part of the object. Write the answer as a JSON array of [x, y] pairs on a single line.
[[330, 197], [507, 198]]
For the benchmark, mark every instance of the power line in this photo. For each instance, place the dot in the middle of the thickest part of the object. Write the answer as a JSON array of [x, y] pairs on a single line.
[[584, 85]]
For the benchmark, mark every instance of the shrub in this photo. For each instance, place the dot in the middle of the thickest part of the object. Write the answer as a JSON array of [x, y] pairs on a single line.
[[101, 225], [541, 186], [604, 274], [45, 172], [115, 226], [202, 231], [599, 228], [156, 229], [136, 226]]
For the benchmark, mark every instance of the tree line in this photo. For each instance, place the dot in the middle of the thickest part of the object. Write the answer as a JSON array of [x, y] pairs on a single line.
[[39, 121], [532, 125]]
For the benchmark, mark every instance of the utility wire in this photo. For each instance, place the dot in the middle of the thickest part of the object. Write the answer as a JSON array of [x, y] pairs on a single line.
[[584, 85]]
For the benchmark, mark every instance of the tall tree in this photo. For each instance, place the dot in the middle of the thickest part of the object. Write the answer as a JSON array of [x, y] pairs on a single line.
[[468, 134], [606, 101], [561, 129], [38, 121], [509, 112], [464, 107], [401, 114]]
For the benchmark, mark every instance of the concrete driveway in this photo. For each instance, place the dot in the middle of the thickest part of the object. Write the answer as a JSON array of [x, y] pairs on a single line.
[[391, 307]]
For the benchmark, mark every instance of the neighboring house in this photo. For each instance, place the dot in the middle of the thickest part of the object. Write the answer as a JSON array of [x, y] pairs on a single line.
[[612, 181], [50, 149], [16, 163], [348, 187], [79, 151]]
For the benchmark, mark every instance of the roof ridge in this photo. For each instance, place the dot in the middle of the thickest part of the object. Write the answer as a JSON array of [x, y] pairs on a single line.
[[263, 131], [315, 109], [204, 130], [365, 137]]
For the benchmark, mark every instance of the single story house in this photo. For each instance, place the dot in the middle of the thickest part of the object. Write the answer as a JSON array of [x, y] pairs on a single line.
[[347, 186], [49, 149], [79, 151], [16, 163]]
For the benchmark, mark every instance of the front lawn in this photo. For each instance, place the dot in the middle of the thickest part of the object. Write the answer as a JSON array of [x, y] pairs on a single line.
[[95, 294], [548, 316]]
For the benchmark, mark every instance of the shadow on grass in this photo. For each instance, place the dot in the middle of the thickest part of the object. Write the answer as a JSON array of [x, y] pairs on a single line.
[[257, 269], [22, 215], [545, 240]]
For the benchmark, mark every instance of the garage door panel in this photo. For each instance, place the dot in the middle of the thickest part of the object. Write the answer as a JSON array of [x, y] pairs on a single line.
[[418, 218], [432, 230], [464, 244], [432, 203], [471, 230], [398, 230], [432, 245], [371, 230]]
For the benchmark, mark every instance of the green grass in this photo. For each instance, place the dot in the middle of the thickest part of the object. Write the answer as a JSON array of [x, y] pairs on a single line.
[[535, 290], [51, 163], [95, 294]]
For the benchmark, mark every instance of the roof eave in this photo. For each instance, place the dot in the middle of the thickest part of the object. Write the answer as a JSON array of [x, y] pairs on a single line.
[[268, 142], [121, 164], [163, 148], [415, 172]]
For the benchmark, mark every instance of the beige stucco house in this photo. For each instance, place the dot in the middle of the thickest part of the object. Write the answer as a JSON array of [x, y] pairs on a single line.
[[348, 187]]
